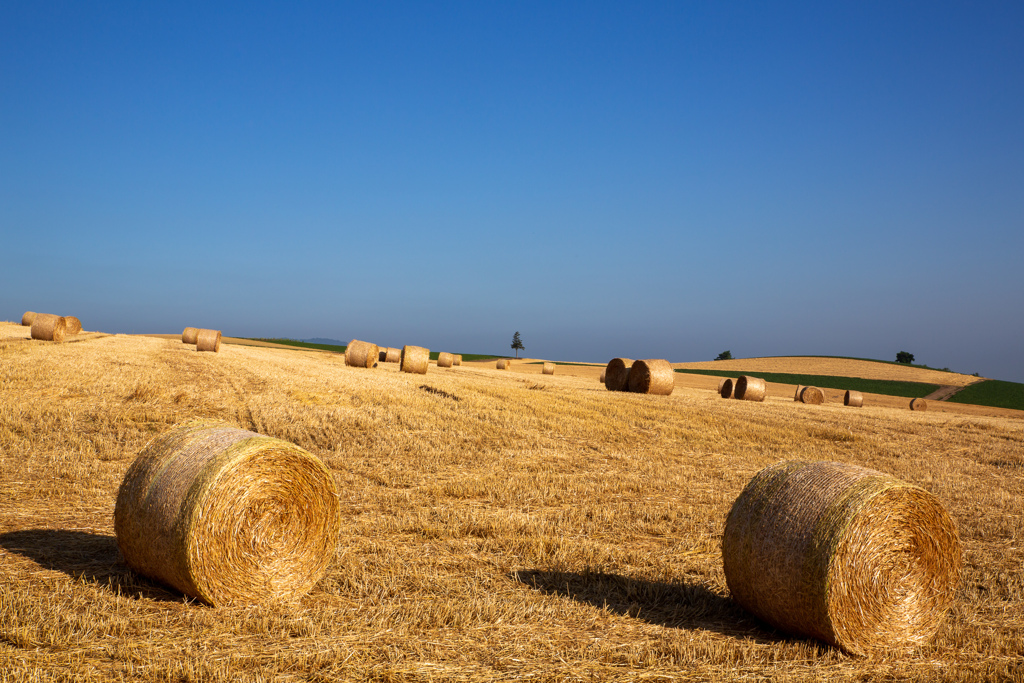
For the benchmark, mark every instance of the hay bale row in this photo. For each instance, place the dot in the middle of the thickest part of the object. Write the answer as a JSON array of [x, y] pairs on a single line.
[[50, 327], [650, 376], [857, 558], [360, 354], [227, 516], [415, 359], [548, 369], [445, 359]]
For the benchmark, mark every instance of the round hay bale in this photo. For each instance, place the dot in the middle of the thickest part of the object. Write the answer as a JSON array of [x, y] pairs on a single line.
[[854, 399], [49, 327], [812, 395], [226, 515], [28, 318], [918, 404], [652, 376], [189, 335], [750, 388], [208, 340], [844, 554], [616, 374], [601, 378], [393, 355], [548, 369], [382, 355], [415, 359], [725, 388], [74, 325], [445, 359], [504, 364], [360, 354], [799, 388], [458, 359]]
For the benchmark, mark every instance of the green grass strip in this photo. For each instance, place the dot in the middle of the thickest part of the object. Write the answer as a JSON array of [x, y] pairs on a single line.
[[562, 362], [996, 393], [886, 387], [302, 345]]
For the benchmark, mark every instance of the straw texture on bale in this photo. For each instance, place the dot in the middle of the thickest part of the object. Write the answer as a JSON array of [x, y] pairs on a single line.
[[918, 404], [812, 395], [49, 327], [725, 388], [458, 359], [28, 318], [652, 376], [393, 355], [189, 335], [847, 555], [226, 515], [360, 354], [504, 364], [616, 374], [854, 399], [74, 325], [445, 359], [548, 369], [415, 359], [799, 389], [750, 388], [208, 340]]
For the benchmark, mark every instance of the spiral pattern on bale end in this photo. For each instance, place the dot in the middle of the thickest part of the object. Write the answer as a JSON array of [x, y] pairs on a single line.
[[74, 325], [725, 388], [227, 516], [616, 374], [28, 318], [189, 335], [750, 388], [445, 359], [49, 327], [918, 404], [415, 359], [812, 395], [857, 558], [360, 354], [548, 369], [854, 399], [208, 340], [652, 376]]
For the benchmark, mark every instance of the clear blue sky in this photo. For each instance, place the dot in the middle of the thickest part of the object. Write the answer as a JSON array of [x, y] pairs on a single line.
[[639, 179]]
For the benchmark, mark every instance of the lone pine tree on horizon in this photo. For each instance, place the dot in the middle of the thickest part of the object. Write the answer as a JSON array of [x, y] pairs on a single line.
[[517, 343]]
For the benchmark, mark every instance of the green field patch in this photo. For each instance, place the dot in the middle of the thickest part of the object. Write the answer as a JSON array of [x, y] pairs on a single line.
[[886, 387], [301, 345], [996, 393], [562, 362]]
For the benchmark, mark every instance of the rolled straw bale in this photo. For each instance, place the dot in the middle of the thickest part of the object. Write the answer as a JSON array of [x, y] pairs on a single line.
[[49, 327], [445, 359], [616, 374], [208, 340], [548, 369], [28, 318], [799, 388], [360, 354], [189, 335], [226, 515], [725, 388], [458, 359], [504, 364], [750, 388], [652, 376], [918, 404], [841, 553], [812, 395], [601, 378], [382, 355], [854, 399], [74, 325], [415, 359], [393, 355]]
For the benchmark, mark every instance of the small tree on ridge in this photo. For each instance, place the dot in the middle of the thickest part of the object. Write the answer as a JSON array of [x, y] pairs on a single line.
[[517, 343], [904, 357]]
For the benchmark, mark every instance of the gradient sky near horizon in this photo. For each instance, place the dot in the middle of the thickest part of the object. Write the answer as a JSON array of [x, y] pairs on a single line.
[[658, 179]]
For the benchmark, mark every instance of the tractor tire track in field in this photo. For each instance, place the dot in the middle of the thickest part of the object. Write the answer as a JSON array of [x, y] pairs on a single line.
[[947, 391]]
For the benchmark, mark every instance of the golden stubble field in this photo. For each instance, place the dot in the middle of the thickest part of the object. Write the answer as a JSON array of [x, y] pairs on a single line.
[[495, 525]]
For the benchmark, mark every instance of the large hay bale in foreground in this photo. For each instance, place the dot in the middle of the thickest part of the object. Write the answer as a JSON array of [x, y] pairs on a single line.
[[918, 404], [812, 395], [393, 355], [208, 340], [854, 399], [74, 325], [848, 555], [226, 515], [548, 369], [415, 359], [616, 374], [445, 359], [189, 335], [458, 359], [360, 354], [725, 388], [652, 376], [750, 388], [49, 327], [28, 318]]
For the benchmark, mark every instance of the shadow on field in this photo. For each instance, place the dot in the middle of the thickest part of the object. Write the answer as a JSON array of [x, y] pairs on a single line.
[[84, 555], [675, 605]]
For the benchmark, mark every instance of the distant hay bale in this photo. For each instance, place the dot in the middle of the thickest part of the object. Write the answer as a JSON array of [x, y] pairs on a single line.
[[725, 388], [208, 340], [750, 388], [548, 369], [227, 516], [445, 359], [189, 335], [28, 318], [812, 395], [458, 359], [74, 325], [652, 376], [799, 388], [49, 327], [601, 378], [918, 404], [415, 359], [360, 354], [854, 399], [616, 374], [382, 355], [393, 355], [504, 364], [857, 558]]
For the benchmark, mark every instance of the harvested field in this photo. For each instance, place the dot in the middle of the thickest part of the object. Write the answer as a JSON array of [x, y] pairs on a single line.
[[839, 367], [560, 532]]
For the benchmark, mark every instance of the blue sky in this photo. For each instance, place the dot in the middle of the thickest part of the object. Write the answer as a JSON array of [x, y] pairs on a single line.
[[639, 179]]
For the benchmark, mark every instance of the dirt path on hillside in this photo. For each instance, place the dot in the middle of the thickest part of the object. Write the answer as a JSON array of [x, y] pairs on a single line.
[[947, 391]]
